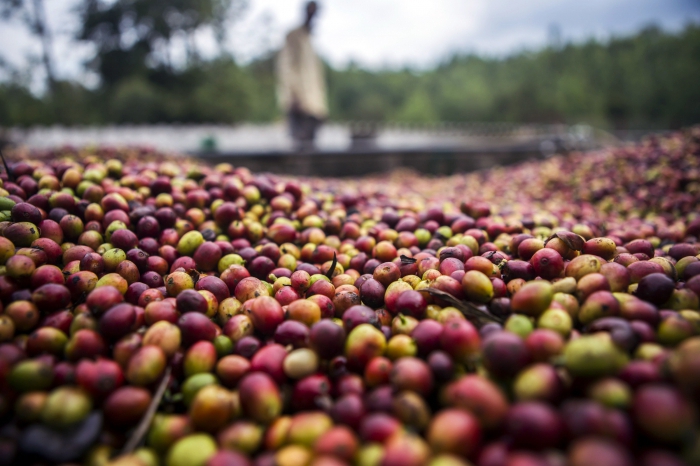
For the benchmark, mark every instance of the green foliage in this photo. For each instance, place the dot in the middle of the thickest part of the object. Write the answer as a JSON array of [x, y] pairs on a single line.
[[645, 81], [418, 108], [135, 100], [132, 35], [641, 81], [19, 107]]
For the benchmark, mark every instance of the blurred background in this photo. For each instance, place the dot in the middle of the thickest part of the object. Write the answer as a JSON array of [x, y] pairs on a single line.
[[402, 75]]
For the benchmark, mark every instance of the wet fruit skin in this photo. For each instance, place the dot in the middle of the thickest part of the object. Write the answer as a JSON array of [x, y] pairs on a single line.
[[600, 451], [477, 286], [126, 405], [146, 365], [460, 339], [99, 378], [260, 397], [534, 424], [211, 409], [655, 288], [327, 338], [412, 374], [266, 314], [51, 297], [363, 343], [480, 396], [663, 413], [65, 406], [593, 355], [30, 375], [194, 449], [118, 321], [533, 298], [454, 431], [505, 354]]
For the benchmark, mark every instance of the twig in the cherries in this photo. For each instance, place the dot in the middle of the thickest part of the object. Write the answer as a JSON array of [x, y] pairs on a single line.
[[331, 271], [136, 438], [572, 240], [476, 315], [194, 275], [81, 299], [10, 177]]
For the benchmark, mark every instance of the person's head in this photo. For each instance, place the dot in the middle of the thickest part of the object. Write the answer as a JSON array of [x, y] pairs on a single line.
[[311, 8]]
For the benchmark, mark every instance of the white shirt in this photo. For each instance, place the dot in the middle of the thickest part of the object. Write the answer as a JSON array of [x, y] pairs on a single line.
[[300, 75]]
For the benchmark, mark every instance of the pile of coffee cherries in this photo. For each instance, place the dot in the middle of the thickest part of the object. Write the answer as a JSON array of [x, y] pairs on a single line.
[[156, 310]]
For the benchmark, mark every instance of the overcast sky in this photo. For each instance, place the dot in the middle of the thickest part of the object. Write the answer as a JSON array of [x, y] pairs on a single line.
[[378, 33]]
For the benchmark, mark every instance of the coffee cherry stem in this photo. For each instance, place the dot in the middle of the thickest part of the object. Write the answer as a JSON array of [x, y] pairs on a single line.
[[137, 437], [330, 272]]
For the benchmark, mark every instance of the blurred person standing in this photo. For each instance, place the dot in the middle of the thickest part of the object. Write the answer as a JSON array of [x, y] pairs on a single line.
[[301, 86]]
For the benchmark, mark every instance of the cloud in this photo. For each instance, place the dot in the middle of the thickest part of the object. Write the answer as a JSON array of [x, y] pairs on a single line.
[[395, 33]]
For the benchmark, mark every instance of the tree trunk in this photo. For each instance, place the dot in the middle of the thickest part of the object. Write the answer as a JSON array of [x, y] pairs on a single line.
[[41, 29], [191, 46]]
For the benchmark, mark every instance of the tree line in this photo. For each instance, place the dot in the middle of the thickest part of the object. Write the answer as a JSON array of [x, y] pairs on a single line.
[[646, 80]]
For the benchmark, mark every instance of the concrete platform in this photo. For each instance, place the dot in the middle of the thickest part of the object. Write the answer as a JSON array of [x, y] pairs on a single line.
[[360, 162]]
